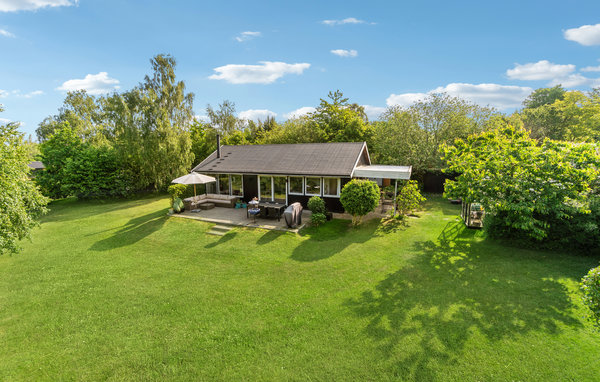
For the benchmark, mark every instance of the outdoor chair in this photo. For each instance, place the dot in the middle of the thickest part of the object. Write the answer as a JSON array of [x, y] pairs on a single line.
[[253, 212]]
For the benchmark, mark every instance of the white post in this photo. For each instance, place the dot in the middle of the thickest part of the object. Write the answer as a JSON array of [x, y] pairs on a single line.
[[395, 191]]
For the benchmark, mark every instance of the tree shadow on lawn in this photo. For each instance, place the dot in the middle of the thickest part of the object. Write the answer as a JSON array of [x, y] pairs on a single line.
[[135, 230], [331, 238], [223, 239], [423, 314], [62, 209]]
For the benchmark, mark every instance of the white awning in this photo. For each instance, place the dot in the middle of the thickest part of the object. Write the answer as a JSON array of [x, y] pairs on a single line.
[[383, 172]]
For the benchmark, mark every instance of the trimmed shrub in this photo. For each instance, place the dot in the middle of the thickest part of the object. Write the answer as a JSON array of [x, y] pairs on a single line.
[[176, 191], [316, 205], [359, 197], [318, 218], [409, 198], [590, 286], [178, 205]]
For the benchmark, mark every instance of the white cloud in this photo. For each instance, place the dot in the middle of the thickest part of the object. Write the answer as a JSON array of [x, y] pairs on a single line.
[[498, 96], [4, 121], [575, 80], [265, 73], [345, 52], [299, 112], [202, 118], [349, 20], [94, 84], [245, 36], [32, 94], [256, 114], [541, 70], [32, 5], [373, 112], [5, 33], [587, 35], [404, 99], [591, 69], [17, 93]]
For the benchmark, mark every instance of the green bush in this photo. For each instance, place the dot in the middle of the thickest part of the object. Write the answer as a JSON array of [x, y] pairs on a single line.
[[318, 218], [359, 197], [176, 191], [317, 205], [409, 198], [590, 286], [178, 205]]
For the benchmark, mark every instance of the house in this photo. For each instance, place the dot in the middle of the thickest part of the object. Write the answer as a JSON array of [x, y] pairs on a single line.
[[288, 173]]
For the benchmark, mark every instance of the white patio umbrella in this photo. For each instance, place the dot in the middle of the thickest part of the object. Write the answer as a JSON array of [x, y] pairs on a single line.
[[194, 178]]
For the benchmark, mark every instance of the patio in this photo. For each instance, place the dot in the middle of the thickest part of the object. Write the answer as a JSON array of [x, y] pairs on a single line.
[[237, 217]]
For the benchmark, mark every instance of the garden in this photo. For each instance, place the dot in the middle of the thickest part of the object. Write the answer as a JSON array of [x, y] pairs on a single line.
[[117, 290]]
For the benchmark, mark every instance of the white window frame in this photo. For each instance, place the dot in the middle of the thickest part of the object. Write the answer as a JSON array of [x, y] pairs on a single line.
[[289, 183], [320, 186], [231, 186], [259, 191], [323, 187]]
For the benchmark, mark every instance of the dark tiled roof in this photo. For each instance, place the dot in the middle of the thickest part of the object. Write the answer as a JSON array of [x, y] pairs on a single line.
[[334, 159]]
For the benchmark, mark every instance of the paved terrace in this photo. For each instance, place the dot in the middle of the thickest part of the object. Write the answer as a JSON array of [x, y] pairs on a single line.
[[237, 217]]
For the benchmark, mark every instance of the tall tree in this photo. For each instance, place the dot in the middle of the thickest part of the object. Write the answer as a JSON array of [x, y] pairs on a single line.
[[413, 135], [152, 124], [21, 202], [84, 115], [341, 121], [544, 96]]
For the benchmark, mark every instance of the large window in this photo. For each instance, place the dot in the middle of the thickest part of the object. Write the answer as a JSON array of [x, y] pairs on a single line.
[[223, 184], [237, 185], [313, 186], [331, 186], [266, 187], [296, 185], [279, 188]]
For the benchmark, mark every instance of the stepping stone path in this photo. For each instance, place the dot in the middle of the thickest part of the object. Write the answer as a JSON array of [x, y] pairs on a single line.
[[219, 230]]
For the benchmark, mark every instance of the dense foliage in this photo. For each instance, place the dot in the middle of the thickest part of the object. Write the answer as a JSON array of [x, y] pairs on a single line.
[[526, 188], [590, 286], [121, 143], [176, 191], [178, 205], [78, 168], [409, 198], [20, 200], [316, 205], [412, 135], [359, 197]]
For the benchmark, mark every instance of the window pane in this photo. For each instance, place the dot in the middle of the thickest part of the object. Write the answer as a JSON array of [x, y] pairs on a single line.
[[236, 185], [330, 186], [313, 186], [265, 188], [224, 184], [296, 185], [279, 185]]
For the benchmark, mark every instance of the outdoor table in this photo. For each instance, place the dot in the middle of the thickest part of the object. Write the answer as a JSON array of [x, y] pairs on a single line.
[[277, 207]]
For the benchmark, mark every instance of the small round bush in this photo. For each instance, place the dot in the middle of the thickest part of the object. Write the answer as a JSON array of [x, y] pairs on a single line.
[[409, 198], [178, 205], [359, 197], [590, 286], [318, 218], [317, 205], [176, 191]]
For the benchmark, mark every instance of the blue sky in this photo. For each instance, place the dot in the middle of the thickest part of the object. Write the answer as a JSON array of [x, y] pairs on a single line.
[[280, 57]]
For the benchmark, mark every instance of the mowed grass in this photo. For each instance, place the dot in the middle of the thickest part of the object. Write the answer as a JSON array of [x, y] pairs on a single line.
[[119, 291]]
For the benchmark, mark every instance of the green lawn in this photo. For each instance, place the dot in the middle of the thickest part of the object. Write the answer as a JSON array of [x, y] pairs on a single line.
[[119, 291]]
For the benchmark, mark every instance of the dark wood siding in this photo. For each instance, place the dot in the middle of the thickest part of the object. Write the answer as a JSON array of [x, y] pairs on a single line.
[[332, 204], [250, 187]]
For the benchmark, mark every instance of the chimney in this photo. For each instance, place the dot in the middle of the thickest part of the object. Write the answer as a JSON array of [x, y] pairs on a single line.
[[218, 146]]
